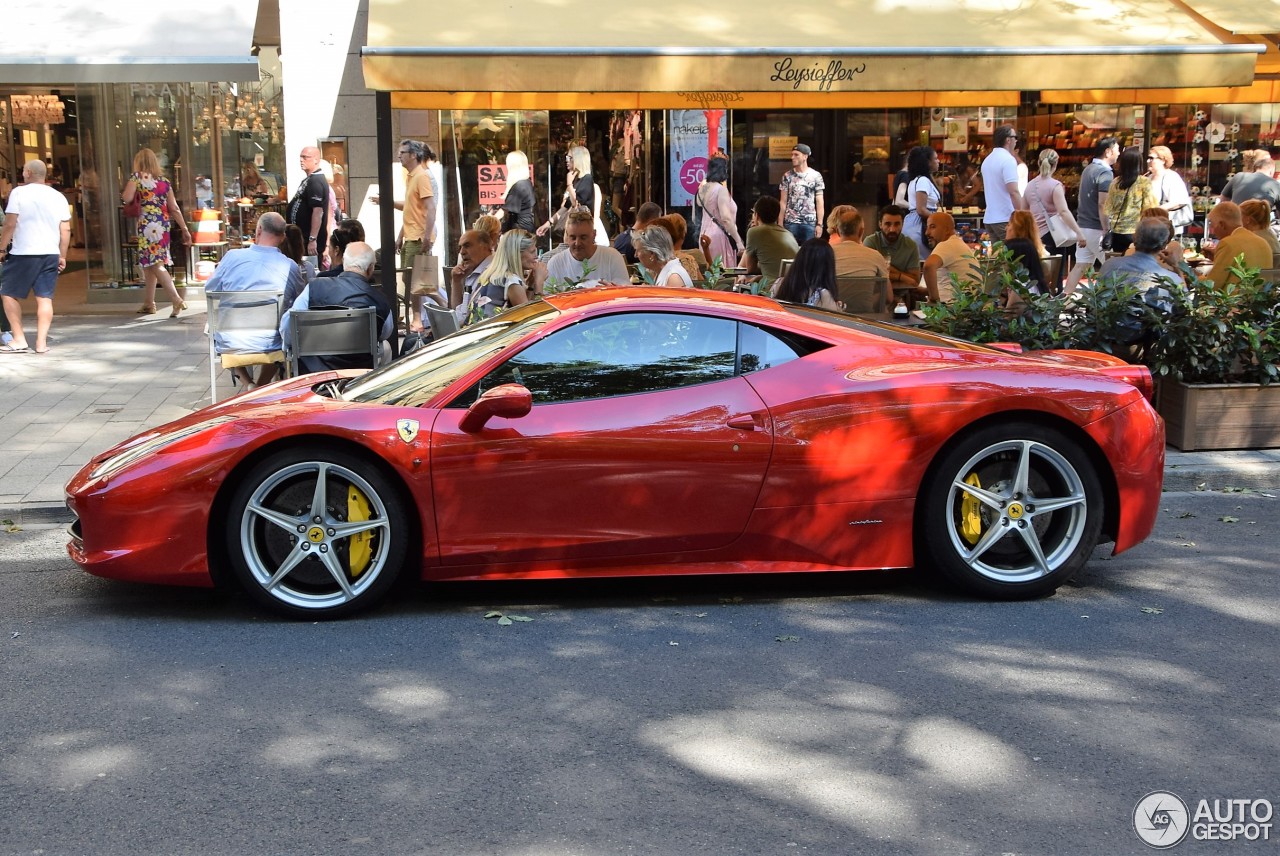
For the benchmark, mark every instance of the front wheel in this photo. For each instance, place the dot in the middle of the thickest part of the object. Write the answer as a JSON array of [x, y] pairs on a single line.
[[1012, 511], [316, 533]]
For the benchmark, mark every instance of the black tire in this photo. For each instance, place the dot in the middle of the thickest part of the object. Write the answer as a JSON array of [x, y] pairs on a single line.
[[311, 553], [1010, 536]]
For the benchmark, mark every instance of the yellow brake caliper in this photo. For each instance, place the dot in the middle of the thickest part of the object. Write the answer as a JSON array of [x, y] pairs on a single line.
[[971, 512], [358, 550]]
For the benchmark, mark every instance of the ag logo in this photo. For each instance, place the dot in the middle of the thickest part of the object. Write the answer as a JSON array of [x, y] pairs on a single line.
[[407, 429], [1161, 819]]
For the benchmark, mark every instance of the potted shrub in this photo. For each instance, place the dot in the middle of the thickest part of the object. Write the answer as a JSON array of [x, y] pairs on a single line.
[[1215, 360], [1214, 352]]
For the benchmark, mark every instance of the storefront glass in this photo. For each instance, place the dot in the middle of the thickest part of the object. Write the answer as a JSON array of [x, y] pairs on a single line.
[[474, 141]]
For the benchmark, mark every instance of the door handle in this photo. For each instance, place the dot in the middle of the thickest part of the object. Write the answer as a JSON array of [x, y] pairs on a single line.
[[743, 423]]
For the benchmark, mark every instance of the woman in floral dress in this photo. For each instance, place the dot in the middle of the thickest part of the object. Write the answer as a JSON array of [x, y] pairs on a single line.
[[158, 205]]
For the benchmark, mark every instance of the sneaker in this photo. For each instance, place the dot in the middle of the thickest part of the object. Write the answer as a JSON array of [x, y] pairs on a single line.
[[6, 337]]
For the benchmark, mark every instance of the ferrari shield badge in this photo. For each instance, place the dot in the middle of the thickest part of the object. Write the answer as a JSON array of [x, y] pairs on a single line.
[[407, 429]]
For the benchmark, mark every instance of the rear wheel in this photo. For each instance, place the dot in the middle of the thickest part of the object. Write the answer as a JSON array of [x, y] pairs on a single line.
[[1012, 511], [316, 533]]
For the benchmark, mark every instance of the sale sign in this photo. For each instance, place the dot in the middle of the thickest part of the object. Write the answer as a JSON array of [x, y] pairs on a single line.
[[492, 179], [692, 136]]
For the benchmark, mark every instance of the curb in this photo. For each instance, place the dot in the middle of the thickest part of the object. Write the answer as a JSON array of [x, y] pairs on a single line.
[[1251, 475], [37, 512]]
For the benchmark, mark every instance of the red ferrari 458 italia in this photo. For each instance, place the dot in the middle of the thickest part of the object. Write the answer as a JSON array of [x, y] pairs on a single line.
[[628, 431]]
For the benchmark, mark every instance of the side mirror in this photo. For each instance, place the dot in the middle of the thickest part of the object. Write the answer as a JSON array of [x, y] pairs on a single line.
[[510, 401]]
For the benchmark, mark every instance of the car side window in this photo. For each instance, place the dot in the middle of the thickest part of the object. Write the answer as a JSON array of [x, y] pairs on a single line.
[[622, 354], [760, 349]]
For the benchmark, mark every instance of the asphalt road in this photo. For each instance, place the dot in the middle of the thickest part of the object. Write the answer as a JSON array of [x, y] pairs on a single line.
[[841, 714]]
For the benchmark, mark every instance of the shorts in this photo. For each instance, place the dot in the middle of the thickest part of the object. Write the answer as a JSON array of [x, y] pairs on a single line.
[[1092, 250], [24, 274]]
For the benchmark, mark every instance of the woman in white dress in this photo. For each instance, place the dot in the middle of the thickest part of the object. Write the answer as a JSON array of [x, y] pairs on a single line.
[[922, 194]]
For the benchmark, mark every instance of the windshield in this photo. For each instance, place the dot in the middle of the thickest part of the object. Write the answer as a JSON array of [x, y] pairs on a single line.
[[419, 377]]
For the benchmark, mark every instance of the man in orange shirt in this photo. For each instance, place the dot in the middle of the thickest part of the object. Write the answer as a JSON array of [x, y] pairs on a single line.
[[418, 229]]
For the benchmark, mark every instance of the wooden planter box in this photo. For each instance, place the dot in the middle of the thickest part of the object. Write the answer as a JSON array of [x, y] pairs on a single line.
[[1220, 415]]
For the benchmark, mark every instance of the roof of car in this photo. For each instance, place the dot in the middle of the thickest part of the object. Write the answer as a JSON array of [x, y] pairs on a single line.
[[581, 298]]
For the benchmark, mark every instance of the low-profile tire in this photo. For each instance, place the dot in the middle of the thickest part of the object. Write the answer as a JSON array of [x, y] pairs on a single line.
[[1011, 511], [316, 533]]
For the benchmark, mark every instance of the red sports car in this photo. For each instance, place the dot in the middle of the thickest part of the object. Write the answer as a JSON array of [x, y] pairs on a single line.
[[628, 431]]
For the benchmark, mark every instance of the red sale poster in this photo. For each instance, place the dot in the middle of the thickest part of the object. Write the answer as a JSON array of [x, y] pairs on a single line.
[[692, 136]]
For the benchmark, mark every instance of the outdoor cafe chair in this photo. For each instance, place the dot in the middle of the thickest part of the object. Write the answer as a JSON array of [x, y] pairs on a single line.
[[339, 331], [242, 312]]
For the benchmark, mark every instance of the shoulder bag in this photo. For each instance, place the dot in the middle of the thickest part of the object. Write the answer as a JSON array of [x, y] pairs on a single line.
[[1062, 234], [133, 208]]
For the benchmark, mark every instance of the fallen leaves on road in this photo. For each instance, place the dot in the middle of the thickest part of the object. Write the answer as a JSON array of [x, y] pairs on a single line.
[[10, 526], [1152, 610], [505, 620], [786, 638], [1229, 518]]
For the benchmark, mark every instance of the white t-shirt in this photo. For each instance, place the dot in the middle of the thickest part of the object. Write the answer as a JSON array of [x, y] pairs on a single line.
[[999, 170], [673, 266], [606, 265], [956, 259], [41, 210]]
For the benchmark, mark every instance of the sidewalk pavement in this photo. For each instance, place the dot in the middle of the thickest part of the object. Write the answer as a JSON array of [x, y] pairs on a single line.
[[110, 374]]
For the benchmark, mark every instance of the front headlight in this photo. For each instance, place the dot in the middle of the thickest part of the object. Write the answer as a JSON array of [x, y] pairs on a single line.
[[153, 444]]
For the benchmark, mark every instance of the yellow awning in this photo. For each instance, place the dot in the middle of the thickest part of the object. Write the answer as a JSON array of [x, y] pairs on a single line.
[[663, 54]]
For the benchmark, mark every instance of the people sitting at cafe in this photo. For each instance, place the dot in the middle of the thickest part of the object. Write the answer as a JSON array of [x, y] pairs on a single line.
[[812, 277], [586, 264], [258, 267], [1143, 266], [692, 260], [899, 249], [475, 250], [1255, 215], [625, 242], [768, 244], [951, 256], [1022, 239], [1236, 245], [344, 234], [1171, 257], [854, 258], [350, 289]]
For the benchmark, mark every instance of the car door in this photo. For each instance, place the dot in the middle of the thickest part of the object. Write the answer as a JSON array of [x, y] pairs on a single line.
[[641, 439]]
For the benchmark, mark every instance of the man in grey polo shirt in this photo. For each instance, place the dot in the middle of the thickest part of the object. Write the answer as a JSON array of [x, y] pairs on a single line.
[[1095, 182]]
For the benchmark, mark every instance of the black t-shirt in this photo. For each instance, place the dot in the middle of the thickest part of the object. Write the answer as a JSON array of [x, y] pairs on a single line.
[[1024, 253], [519, 207], [585, 188], [312, 193]]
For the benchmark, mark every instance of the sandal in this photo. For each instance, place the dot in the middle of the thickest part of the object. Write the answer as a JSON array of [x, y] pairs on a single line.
[[147, 310], [178, 307], [10, 349]]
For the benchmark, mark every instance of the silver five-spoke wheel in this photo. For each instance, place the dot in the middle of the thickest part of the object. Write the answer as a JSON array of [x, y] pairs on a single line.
[[316, 534], [1012, 511]]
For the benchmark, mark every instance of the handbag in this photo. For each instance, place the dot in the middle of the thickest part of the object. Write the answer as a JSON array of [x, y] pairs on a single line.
[[1106, 242], [1062, 234], [133, 208]]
